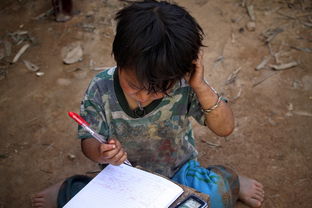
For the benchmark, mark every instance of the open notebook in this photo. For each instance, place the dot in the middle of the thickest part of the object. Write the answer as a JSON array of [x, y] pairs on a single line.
[[126, 187]]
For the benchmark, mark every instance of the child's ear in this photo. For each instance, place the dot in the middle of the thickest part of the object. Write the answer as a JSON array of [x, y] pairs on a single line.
[[193, 66], [187, 76]]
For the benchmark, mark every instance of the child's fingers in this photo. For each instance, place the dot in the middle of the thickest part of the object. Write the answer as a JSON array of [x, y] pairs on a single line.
[[200, 57], [110, 153], [106, 147], [114, 141], [111, 144], [115, 155], [121, 160]]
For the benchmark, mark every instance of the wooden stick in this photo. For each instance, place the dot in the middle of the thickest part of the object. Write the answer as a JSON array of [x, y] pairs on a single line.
[[20, 52], [251, 13], [264, 62], [284, 66], [270, 74]]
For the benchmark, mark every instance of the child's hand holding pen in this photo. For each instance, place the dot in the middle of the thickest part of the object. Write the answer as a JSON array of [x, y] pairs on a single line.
[[104, 153], [98, 148], [112, 153]]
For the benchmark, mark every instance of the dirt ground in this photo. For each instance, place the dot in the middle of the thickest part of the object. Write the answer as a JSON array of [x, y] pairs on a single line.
[[272, 140]]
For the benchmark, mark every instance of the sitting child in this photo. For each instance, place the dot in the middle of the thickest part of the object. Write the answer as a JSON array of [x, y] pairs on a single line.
[[143, 105]]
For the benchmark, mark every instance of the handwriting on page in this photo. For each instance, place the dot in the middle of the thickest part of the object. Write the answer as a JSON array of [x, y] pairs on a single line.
[[124, 186], [134, 187]]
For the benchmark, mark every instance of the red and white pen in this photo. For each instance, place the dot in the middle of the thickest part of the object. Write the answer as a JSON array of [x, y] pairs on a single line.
[[86, 126]]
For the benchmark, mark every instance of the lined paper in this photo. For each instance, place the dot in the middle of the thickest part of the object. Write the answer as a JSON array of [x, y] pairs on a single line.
[[126, 187]]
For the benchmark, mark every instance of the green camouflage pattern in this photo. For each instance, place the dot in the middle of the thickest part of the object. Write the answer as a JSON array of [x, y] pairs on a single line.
[[161, 141]]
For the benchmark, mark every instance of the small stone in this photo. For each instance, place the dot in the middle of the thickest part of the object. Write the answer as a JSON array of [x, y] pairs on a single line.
[[72, 53], [39, 74], [71, 156], [30, 66], [251, 26]]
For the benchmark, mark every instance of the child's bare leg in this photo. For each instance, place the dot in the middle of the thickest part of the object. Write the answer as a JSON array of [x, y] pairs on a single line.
[[62, 10], [46, 198], [251, 192]]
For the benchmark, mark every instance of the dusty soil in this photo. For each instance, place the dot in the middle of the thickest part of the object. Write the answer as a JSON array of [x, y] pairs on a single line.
[[272, 141]]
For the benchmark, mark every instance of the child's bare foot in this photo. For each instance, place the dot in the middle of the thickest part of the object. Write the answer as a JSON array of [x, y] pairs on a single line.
[[60, 17], [46, 198], [251, 192]]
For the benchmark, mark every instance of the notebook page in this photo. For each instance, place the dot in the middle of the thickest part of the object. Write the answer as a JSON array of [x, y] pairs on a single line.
[[124, 186]]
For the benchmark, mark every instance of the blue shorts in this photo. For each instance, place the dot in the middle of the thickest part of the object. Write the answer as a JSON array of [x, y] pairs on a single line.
[[220, 183]]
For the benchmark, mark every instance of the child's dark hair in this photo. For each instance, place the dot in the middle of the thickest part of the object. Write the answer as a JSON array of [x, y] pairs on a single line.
[[159, 41]]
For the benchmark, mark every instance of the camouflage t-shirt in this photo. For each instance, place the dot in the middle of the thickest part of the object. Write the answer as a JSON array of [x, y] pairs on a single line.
[[160, 141]]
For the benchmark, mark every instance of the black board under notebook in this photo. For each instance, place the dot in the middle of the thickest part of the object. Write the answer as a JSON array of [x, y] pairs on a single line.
[[126, 187]]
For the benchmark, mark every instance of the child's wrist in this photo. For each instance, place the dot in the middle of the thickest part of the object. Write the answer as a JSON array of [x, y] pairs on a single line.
[[206, 95], [202, 87]]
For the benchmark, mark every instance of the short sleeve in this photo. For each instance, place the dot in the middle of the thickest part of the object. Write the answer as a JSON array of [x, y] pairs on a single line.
[[195, 109], [92, 111]]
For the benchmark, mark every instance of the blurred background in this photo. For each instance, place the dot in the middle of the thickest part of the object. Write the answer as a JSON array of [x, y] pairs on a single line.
[[258, 54]]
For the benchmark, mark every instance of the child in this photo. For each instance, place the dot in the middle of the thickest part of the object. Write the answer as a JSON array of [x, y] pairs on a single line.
[[62, 10], [143, 105]]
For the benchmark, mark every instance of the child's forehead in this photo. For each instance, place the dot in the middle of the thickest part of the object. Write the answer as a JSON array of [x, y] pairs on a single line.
[[130, 76]]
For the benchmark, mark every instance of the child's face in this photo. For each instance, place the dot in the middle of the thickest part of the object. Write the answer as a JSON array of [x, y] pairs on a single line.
[[133, 89]]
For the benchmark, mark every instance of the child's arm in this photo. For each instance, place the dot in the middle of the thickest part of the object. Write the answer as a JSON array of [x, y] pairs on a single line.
[[220, 120], [112, 152]]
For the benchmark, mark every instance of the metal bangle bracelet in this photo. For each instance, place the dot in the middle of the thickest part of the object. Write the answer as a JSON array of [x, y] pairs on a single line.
[[214, 106]]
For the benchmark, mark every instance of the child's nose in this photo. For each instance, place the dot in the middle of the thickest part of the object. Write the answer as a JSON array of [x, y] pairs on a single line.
[[158, 95], [143, 96]]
